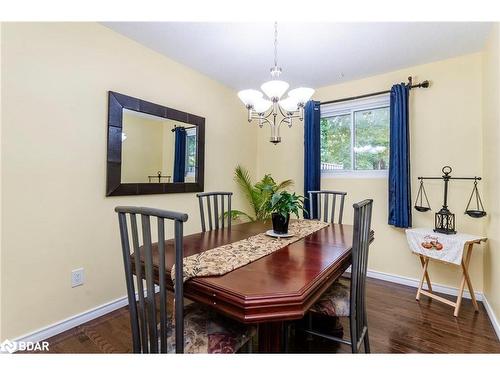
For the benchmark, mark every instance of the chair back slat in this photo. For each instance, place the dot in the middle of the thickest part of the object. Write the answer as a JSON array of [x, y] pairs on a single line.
[[216, 211], [129, 282], [325, 210], [179, 288], [360, 246], [143, 328], [202, 213], [222, 210], [318, 203], [209, 211], [148, 334], [163, 289], [216, 219], [150, 286], [322, 199], [333, 209], [341, 211]]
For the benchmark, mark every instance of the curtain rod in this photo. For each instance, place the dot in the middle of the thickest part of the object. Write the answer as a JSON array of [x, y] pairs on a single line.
[[423, 84], [184, 127]]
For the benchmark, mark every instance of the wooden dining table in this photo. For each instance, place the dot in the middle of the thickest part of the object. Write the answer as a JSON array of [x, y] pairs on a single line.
[[279, 287]]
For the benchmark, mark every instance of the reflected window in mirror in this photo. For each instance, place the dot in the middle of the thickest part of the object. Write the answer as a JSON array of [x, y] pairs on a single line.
[[191, 162]]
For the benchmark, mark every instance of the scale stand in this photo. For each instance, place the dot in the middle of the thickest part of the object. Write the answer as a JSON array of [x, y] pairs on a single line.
[[444, 221]]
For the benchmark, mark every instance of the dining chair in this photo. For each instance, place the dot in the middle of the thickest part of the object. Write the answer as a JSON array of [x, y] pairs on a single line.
[[191, 329], [216, 218], [347, 298], [324, 207]]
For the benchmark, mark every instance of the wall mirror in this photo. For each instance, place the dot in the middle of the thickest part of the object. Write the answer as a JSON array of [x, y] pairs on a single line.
[[153, 149]]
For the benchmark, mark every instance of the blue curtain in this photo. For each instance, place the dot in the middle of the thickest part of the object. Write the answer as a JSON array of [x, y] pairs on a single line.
[[312, 155], [180, 154], [399, 158]]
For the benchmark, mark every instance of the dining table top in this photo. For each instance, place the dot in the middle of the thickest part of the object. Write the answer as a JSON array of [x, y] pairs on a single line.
[[277, 287]]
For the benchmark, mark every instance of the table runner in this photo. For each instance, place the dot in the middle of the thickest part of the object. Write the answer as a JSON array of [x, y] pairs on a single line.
[[452, 244], [226, 258]]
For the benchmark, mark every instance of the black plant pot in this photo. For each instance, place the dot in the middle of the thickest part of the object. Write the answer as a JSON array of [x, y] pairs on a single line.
[[280, 223]]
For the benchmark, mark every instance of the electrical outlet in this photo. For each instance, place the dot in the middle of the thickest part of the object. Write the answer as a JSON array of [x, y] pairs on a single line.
[[77, 277]]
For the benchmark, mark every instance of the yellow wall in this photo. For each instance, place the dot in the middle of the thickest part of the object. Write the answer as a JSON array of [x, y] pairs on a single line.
[[445, 129], [55, 216], [1, 200], [491, 154]]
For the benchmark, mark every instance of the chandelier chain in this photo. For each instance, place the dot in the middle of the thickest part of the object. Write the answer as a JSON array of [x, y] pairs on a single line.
[[275, 44]]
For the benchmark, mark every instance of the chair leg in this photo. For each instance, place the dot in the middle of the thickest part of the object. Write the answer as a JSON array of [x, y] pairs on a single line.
[[354, 338], [309, 337], [309, 326], [366, 341], [285, 337]]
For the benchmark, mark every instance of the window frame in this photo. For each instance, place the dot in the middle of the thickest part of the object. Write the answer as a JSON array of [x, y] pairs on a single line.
[[350, 108]]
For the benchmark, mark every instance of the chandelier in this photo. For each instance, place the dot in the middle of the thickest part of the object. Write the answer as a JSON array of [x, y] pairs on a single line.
[[267, 110]]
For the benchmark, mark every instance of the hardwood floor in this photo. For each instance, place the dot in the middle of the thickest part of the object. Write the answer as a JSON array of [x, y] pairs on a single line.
[[397, 324]]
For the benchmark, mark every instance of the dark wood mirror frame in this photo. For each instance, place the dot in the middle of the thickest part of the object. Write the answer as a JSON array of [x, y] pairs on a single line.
[[116, 103]]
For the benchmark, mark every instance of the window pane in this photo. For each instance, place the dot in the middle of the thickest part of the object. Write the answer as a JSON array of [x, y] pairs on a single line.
[[190, 154], [371, 142], [336, 143]]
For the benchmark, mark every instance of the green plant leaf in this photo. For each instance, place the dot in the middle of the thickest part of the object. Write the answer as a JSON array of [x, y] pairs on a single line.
[[235, 214], [284, 184], [242, 178]]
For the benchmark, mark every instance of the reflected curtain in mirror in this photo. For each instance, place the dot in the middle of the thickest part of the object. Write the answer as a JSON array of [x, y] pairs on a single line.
[[180, 154]]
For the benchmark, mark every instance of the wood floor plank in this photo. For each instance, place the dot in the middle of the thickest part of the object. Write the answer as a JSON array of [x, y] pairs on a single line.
[[397, 324]]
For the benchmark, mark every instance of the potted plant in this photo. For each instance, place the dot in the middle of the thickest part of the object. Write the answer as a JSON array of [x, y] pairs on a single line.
[[258, 194], [281, 205]]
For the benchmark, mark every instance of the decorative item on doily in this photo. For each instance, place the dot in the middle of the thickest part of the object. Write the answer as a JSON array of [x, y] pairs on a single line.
[[432, 242]]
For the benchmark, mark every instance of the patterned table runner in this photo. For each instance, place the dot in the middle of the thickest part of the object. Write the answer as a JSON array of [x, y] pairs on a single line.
[[447, 248], [226, 258]]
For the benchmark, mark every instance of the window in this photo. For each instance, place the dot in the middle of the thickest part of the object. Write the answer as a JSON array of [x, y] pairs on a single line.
[[191, 148], [355, 137]]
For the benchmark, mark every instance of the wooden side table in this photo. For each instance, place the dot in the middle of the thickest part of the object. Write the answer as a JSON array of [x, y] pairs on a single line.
[[426, 256]]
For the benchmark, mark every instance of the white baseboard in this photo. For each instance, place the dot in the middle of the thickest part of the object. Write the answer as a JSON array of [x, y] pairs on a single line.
[[76, 320], [403, 280], [492, 316], [73, 321]]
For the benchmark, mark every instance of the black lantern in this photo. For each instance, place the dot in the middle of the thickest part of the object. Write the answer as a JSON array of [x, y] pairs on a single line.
[[444, 222]]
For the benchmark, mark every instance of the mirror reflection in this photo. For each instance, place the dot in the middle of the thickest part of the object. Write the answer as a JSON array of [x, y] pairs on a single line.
[[157, 150]]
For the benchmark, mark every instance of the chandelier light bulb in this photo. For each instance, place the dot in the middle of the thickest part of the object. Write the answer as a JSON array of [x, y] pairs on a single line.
[[302, 94], [249, 97], [262, 105], [274, 89], [289, 104]]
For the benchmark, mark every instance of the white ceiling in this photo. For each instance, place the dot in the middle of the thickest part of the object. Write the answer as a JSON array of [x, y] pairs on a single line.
[[311, 54]]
